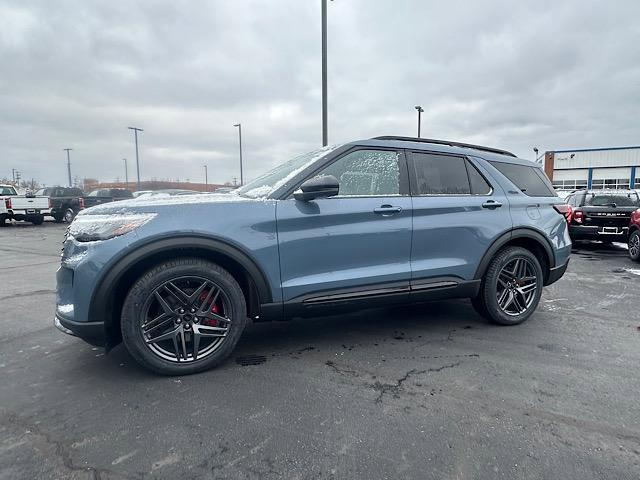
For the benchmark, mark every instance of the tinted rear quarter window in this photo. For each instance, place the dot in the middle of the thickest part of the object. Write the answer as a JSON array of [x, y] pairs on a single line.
[[531, 180]]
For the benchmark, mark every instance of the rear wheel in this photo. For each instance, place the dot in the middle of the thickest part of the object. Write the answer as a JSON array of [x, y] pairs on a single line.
[[36, 219], [634, 246], [69, 215], [3, 220], [511, 288], [183, 316]]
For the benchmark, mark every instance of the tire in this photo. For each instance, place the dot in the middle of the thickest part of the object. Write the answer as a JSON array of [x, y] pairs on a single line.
[[143, 308], [58, 218], [37, 219], [499, 281], [69, 215], [634, 246], [3, 220]]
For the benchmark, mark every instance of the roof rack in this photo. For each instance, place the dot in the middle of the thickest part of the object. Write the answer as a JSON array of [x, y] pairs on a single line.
[[444, 142]]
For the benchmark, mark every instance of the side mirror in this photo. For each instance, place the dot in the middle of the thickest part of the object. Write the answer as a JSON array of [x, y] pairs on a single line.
[[317, 187]]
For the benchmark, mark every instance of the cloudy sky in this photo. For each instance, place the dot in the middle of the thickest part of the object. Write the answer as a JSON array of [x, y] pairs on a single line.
[[552, 74]]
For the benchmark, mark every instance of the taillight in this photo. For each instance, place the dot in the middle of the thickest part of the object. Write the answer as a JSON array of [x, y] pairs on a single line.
[[81, 202], [7, 203], [578, 216], [564, 210]]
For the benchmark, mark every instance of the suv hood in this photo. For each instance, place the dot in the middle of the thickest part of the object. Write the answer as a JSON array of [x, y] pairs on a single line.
[[159, 204]]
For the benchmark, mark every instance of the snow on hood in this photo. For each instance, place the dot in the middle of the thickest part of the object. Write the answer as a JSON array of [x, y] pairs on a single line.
[[149, 203]]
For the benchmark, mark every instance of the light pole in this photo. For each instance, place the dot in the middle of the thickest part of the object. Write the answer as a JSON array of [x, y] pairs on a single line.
[[135, 133], [126, 172], [239, 125], [206, 178], [325, 114], [68, 163], [535, 150], [420, 110]]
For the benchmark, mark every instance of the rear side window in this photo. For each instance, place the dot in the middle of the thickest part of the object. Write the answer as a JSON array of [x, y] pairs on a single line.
[[530, 180], [446, 175]]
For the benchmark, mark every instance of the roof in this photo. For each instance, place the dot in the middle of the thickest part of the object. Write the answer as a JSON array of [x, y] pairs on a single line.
[[444, 146], [594, 149]]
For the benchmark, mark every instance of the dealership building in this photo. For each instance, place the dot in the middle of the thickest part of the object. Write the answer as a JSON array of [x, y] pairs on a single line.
[[614, 167]]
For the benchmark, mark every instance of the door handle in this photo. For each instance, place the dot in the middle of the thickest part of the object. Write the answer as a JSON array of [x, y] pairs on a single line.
[[491, 204], [387, 210]]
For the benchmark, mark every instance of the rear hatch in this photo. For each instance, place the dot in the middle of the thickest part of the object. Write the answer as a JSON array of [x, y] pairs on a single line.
[[609, 210]]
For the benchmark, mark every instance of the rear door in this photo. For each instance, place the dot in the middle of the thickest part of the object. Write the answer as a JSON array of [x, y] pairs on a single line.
[[352, 246], [457, 213]]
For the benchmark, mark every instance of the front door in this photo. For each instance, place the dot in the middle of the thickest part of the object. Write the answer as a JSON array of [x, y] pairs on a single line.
[[352, 246]]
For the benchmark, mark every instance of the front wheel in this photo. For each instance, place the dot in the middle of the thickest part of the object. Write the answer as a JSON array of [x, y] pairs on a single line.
[[511, 288], [634, 246], [183, 316]]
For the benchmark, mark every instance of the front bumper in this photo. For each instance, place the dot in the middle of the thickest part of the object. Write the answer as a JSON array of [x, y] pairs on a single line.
[[90, 332]]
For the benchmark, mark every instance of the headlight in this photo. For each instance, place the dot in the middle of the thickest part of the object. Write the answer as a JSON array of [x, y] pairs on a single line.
[[90, 228]]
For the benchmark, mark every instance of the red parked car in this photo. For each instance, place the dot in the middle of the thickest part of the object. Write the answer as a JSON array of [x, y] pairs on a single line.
[[634, 236]]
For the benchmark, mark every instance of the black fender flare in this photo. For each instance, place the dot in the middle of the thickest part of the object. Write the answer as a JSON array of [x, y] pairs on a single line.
[[99, 305], [505, 238]]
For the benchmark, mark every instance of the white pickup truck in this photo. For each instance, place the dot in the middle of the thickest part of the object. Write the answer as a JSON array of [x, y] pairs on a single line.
[[22, 207]]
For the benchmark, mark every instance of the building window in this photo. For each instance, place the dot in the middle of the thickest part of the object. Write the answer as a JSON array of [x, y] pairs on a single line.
[[610, 183], [569, 184]]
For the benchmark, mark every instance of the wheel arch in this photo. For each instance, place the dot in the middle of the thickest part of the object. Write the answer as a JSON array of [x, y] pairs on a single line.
[[528, 238], [113, 286]]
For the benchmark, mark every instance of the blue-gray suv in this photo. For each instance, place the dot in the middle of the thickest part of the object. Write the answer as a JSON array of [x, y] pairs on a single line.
[[375, 222]]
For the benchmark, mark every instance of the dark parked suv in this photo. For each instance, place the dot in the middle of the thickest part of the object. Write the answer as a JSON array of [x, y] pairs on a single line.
[[601, 214], [374, 222]]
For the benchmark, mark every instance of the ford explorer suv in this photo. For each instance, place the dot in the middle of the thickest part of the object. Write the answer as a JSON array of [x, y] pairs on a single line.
[[601, 214], [377, 222]]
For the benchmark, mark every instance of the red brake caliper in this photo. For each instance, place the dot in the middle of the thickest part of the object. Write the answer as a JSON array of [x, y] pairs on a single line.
[[214, 308]]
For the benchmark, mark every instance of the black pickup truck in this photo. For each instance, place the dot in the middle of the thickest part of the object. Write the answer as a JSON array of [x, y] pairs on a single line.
[[65, 202], [601, 214], [106, 195]]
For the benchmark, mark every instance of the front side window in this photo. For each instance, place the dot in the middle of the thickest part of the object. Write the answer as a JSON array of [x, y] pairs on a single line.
[[366, 173], [440, 175], [7, 191]]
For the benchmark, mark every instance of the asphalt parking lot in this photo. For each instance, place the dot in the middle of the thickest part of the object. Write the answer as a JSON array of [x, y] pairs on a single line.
[[430, 391]]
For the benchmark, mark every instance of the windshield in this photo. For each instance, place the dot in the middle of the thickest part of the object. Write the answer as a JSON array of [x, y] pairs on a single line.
[[270, 181], [7, 191], [612, 199]]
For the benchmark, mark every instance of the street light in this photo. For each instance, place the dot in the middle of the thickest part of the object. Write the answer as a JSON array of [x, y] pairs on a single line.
[[325, 114], [206, 178], [239, 125], [68, 163], [535, 150], [126, 172], [135, 133], [420, 110]]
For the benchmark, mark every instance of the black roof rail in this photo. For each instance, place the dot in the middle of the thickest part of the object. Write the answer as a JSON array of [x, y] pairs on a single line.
[[444, 142]]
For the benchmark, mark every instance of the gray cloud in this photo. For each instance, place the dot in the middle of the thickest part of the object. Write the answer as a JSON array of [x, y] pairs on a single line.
[[77, 73]]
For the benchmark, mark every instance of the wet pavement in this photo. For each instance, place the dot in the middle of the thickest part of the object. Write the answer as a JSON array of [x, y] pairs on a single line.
[[429, 391]]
